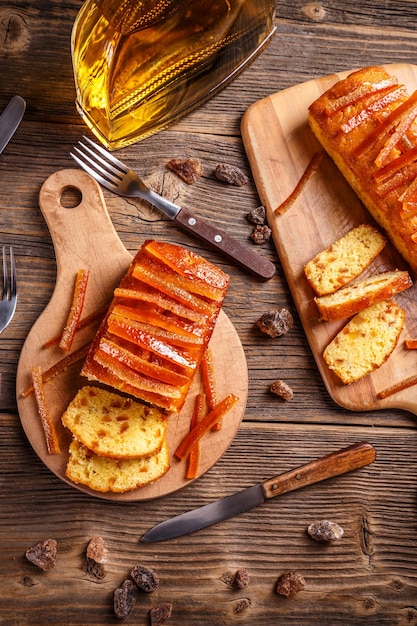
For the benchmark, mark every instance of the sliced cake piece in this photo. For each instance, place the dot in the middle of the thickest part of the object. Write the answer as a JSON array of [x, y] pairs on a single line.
[[361, 294], [158, 326], [114, 426], [114, 475], [366, 342], [344, 260]]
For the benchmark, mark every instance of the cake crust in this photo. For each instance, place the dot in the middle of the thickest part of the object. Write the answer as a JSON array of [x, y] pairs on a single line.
[[366, 123]]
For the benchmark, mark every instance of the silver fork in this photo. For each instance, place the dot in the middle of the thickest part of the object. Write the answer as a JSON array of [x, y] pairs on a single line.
[[8, 298], [117, 177]]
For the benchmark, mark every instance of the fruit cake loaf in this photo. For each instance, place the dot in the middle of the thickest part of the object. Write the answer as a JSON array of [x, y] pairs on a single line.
[[115, 426], [158, 325], [344, 259], [367, 124], [361, 294], [366, 342], [114, 475]]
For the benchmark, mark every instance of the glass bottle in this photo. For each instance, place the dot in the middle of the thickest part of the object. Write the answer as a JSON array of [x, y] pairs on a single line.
[[140, 65]]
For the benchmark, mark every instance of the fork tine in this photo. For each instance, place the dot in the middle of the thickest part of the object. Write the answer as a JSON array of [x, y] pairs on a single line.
[[92, 172], [13, 284], [108, 171], [108, 156], [5, 274]]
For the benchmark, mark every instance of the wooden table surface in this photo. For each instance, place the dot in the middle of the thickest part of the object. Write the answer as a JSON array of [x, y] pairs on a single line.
[[367, 577]]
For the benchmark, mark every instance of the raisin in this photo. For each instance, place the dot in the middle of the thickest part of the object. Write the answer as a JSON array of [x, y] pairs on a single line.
[[276, 322], [124, 599], [159, 614], [261, 235], [241, 579], [189, 170], [257, 216], [290, 583], [95, 570], [43, 554], [230, 174], [145, 578], [324, 531], [280, 388], [96, 556]]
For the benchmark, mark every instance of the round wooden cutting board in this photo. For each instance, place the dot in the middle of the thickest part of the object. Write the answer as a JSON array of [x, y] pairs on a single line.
[[84, 238]]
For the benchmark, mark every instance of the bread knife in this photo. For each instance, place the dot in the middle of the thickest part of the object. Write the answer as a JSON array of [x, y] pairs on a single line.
[[334, 464]]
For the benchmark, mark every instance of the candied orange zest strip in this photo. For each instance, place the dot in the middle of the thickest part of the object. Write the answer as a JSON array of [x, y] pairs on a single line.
[[184, 449], [404, 384], [312, 166], [390, 97], [411, 344], [59, 367], [141, 365], [118, 326], [51, 438], [194, 458], [209, 383], [83, 323], [380, 138], [74, 316], [359, 93]]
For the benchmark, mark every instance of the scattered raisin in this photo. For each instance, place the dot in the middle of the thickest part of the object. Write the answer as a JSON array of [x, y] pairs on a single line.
[[43, 554], [124, 599], [230, 174], [257, 216], [145, 578], [324, 531], [241, 579], [189, 170], [261, 234], [96, 556], [159, 614], [276, 322], [96, 550], [241, 605], [282, 389], [95, 570], [290, 583]]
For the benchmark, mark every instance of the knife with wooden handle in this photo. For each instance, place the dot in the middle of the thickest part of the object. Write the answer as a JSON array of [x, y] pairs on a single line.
[[334, 464]]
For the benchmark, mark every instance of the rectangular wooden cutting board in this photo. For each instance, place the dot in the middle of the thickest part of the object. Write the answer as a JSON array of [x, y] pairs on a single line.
[[280, 145]]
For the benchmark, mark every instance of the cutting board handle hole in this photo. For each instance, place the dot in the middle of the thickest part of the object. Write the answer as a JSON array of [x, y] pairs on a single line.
[[71, 197]]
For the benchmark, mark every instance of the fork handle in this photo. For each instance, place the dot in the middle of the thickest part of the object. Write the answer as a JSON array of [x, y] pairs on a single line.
[[230, 247]]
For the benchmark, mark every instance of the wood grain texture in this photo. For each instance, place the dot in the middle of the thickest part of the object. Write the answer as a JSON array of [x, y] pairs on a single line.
[[369, 577]]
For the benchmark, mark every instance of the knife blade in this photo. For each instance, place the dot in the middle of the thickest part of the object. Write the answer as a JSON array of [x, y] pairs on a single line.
[[334, 464], [10, 120]]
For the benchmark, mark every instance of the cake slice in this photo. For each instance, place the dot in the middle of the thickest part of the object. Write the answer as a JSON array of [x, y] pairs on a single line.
[[158, 325], [366, 342], [344, 260], [367, 124], [113, 426], [361, 294], [114, 475]]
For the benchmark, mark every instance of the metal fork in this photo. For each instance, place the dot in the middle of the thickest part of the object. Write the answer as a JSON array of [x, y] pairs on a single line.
[[8, 298], [117, 177]]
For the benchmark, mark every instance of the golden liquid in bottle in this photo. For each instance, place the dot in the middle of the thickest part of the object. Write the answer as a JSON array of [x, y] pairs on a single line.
[[141, 65]]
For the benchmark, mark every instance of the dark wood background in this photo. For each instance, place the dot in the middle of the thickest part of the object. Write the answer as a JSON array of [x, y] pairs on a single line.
[[368, 577]]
